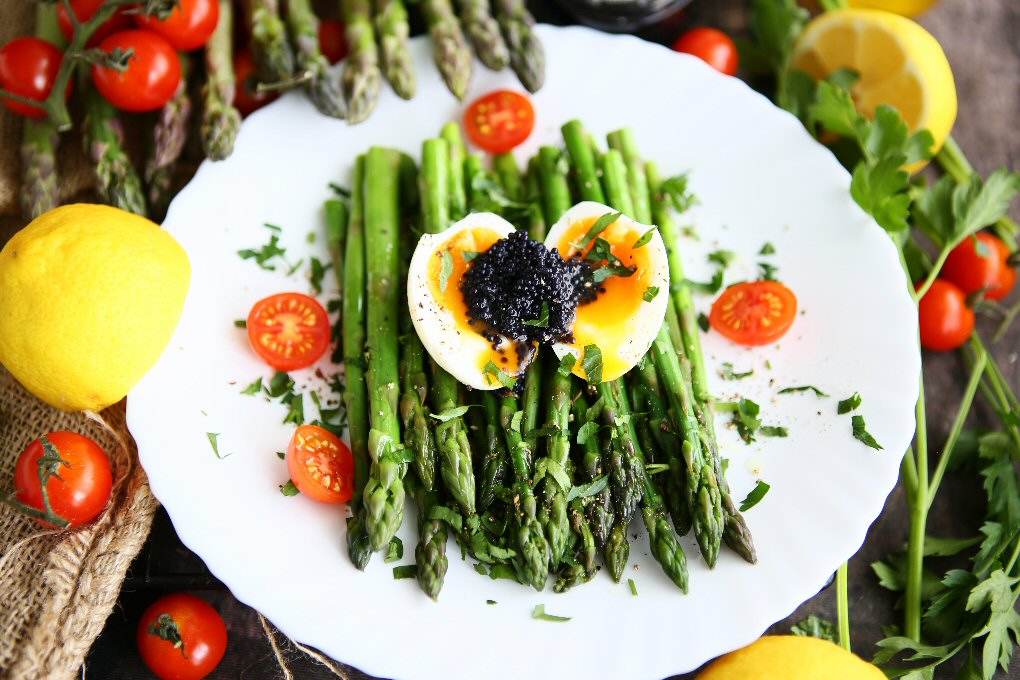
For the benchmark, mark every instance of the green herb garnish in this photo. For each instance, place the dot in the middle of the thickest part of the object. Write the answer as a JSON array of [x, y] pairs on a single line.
[[215, 445], [567, 363], [491, 369], [543, 320], [405, 571], [601, 224], [753, 498], [447, 270], [645, 239], [767, 249], [861, 433], [394, 551], [591, 364], [539, 613], [650, 293], [316, 270], [254, 388], [851, 403], [633, 587], [803, 388], [728, 373]]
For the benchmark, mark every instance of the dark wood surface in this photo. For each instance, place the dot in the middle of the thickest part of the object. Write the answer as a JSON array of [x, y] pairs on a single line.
[[981, 40]]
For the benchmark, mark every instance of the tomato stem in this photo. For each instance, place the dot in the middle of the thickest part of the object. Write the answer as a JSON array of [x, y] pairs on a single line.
[[50, 517]]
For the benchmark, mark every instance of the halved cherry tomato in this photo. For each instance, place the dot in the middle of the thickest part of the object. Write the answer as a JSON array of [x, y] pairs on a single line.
[[320, 465], [945, 319], [85, 10], [152, 75], [181, 637], [288, 330], [332, 39], [246, 98], [713, 47], [979, 263], [500, 120], [755, 313], [81, 490], [188, 27], [28, 68]]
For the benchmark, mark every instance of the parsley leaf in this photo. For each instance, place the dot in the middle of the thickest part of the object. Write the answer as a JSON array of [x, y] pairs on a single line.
[[601, 224], [447, 270], [215, 445], [861, 433], [316, 272], [773, 431], [543, 320], [394, 551], [728, 373], [645, 239], [586, 431], [677, 191], [405, 571], [289, 489], [755, 496], [591, 364], [851, 403], [254, 388], [650, 293], [768, 271], [711, 287], [767, 249], [803, 388], [491, 369], [814, 626], [450, 413], [268, 252], [592, 488], [703, 322], [722, 257], [539, 613], [566, 366]]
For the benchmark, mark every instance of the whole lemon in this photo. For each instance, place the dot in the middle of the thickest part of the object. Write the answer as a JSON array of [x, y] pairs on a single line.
[[89, 297], [791, 657]]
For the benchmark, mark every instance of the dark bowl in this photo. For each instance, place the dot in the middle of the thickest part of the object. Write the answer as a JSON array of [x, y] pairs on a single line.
[[624, 16]]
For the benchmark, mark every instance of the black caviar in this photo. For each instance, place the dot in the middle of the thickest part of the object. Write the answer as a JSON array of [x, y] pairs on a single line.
[[518, 280]]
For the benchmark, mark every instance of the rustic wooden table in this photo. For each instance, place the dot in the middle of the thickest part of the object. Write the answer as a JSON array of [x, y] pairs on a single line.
[[982, 41]]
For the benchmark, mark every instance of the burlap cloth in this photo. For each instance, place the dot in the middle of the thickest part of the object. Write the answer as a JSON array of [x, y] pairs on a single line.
[[58, 588]]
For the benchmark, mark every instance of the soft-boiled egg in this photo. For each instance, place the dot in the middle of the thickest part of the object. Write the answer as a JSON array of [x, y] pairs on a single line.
[[628, 310], [438, 309]]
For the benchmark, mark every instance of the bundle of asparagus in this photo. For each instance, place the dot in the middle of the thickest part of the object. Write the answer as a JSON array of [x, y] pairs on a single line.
[[526, 502]]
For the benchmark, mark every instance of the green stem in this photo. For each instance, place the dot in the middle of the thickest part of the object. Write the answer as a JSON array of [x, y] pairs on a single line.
[[958, 423], [953, 161], [918, 522], [843, 607]]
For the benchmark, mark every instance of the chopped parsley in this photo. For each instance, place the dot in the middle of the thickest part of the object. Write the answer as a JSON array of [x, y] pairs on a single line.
[[710, 287], [767, 249], [586, 431], [592, 488], [265, 255], [728, 373], [851, 403], [395, 550], [633, 587], [447, 270], [215, 445], [450, 413], [678, 192], [241, 323], [722, 257], [601, 224], [491, 369], [645, 239], [803, 388], [254, 388], [703, 322], [862, 435], [773, 431], [316, 271], [591, 364], [567, 363], [753, 498], [650, 293], [539, 613], [768, 271], [289, 489], [543, 320], [405, 571]]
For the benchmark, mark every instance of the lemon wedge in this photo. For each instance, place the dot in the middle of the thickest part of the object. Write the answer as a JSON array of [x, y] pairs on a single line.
[[790, 657], [900, 64]]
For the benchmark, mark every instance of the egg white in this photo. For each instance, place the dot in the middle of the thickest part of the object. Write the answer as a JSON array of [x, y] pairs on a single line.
[[647, 319], [459, 352]]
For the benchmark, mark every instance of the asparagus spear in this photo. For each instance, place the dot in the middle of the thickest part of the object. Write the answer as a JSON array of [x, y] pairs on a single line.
[[527, 58], [625, 461], [355, 394], [361, 76], [614, 179], [736, 533], [505, 167], [168, 136], [117, 182], [418, 435], [323, 88], [600, 507], [457, 184], [269, 47], [533, 378], [449, 47], [585, 569], [454, 448], [391, 24], [39, 190], [624, 142], [583, 162], [220, 120], [483, 30], [384, 490], [495, 460], [430, 553]]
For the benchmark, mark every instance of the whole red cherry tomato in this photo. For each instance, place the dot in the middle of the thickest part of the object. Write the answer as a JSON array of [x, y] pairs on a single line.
[[188, 27], [713, 47], [332, 39], [85, 10], [80, 486], [946, 320], [978, 263], [246, 77], [181, 637], [28, 68], [152, 75]]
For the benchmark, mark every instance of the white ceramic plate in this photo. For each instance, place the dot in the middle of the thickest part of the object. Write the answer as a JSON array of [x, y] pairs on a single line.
[[760, 179]]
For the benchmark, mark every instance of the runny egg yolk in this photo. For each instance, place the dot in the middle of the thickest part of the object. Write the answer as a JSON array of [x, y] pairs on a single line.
[[450, 298], [608, 320]]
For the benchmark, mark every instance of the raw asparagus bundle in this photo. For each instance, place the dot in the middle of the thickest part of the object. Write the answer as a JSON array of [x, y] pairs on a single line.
[[449, 46], [116, 180], [391, 25], [361, 77], [168, 136], [527, 57], [483, 30], [269, 46], [322, 87], [220, 120], [39, 191]]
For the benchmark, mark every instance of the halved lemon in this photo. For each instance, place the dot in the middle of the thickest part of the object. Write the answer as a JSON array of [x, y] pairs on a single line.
[[908, 8], [789, 657], [900, 64]]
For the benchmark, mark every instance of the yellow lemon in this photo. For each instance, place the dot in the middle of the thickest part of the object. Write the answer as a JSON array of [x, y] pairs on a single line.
[[89, 297], [908, 8], [791, 657], [900, 64]]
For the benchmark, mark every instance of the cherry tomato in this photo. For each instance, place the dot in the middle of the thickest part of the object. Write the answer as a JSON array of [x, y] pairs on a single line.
[[152, 75], [1008, 279], [978, 263], [713, 47], [333, 39], [189, 25], [320, 465], [246, 99], [946, 320], [85, 10], [500, 120], [181, 637], [82, 489], [288, 330], [755, 313], [28, 68]]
